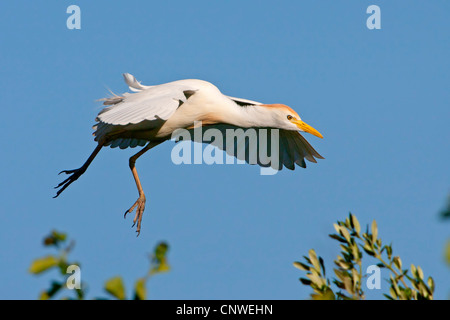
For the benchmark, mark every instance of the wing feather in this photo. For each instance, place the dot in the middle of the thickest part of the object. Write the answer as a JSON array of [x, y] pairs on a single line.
[[288, 151], [146, 108], [146, 103], [244, 102], [293, 147]]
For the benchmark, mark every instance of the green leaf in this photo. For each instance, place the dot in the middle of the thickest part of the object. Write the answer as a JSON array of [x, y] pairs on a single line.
[[327, 295], [355, 276], [338, 238], [345, 234], [393, 293], [430, 283], [344, 248], [162, 267], [374, 231], [408, 293], [379, 243], [54, 288], [44, 296], [314, 260], [348, 224], [42, 264], [355, 223], [344, 265], [80, 294], [337, 227], [55, 238], [423, 289], [368, 250], [301, 266], [389, 251], [413, 271], [306, 282], [322, 264], [62, 266], [140, 292], [161, 251], [159, 261], [316, 279], [115, 287], [348, 285], [420, 272], [398, 263], [402, 295], [356, 253], [341, 274]]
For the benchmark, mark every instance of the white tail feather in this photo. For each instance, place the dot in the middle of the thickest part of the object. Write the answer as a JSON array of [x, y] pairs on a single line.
[[134, 85]]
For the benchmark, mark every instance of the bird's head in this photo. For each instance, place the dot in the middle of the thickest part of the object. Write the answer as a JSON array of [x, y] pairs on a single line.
[[288, 119]]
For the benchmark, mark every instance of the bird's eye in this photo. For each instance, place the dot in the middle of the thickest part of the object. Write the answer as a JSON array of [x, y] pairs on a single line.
[[289, 117]]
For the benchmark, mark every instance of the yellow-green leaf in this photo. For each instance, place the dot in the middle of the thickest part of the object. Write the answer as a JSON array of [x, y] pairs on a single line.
[[398, 263], [43, 264], [413, 271], [162, 267], [393, 293], [420, 272], [355, 224], [430, 283], [314, 260], [161, 251], [337, 228], [327, 295], [348, 285], [356, 252], [316, 279], [345, 234], [301, 266], [115, 287], [374, 231], [140, 292], [44, 296]]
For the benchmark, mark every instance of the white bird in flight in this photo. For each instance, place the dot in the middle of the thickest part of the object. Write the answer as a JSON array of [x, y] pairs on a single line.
[[149, 116]]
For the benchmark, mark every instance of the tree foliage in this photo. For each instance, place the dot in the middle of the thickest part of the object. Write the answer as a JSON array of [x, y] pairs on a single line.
[[114, 286], [348, 281]]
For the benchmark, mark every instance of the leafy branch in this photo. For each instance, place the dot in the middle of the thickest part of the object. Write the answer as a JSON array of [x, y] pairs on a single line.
[[348, 284], [113, 286]]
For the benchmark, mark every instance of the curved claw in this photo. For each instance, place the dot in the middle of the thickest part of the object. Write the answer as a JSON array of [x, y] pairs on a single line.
[[68, 171], [76, 173], [140, 206]]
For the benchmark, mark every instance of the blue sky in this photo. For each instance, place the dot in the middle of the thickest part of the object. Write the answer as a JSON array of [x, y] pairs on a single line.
[[379, 97]]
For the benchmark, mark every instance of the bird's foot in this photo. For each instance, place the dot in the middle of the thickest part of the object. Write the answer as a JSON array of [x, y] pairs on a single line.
[[75, 174], [140, 206]]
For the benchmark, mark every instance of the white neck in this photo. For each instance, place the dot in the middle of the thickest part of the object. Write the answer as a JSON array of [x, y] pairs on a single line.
[[249, 116]]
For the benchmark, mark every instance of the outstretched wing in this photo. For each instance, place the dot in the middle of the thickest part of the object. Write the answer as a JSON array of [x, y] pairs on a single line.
[[146, 103], [266, 147]]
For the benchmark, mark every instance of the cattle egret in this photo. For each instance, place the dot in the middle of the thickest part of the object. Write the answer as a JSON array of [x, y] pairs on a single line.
[[150, 114]]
